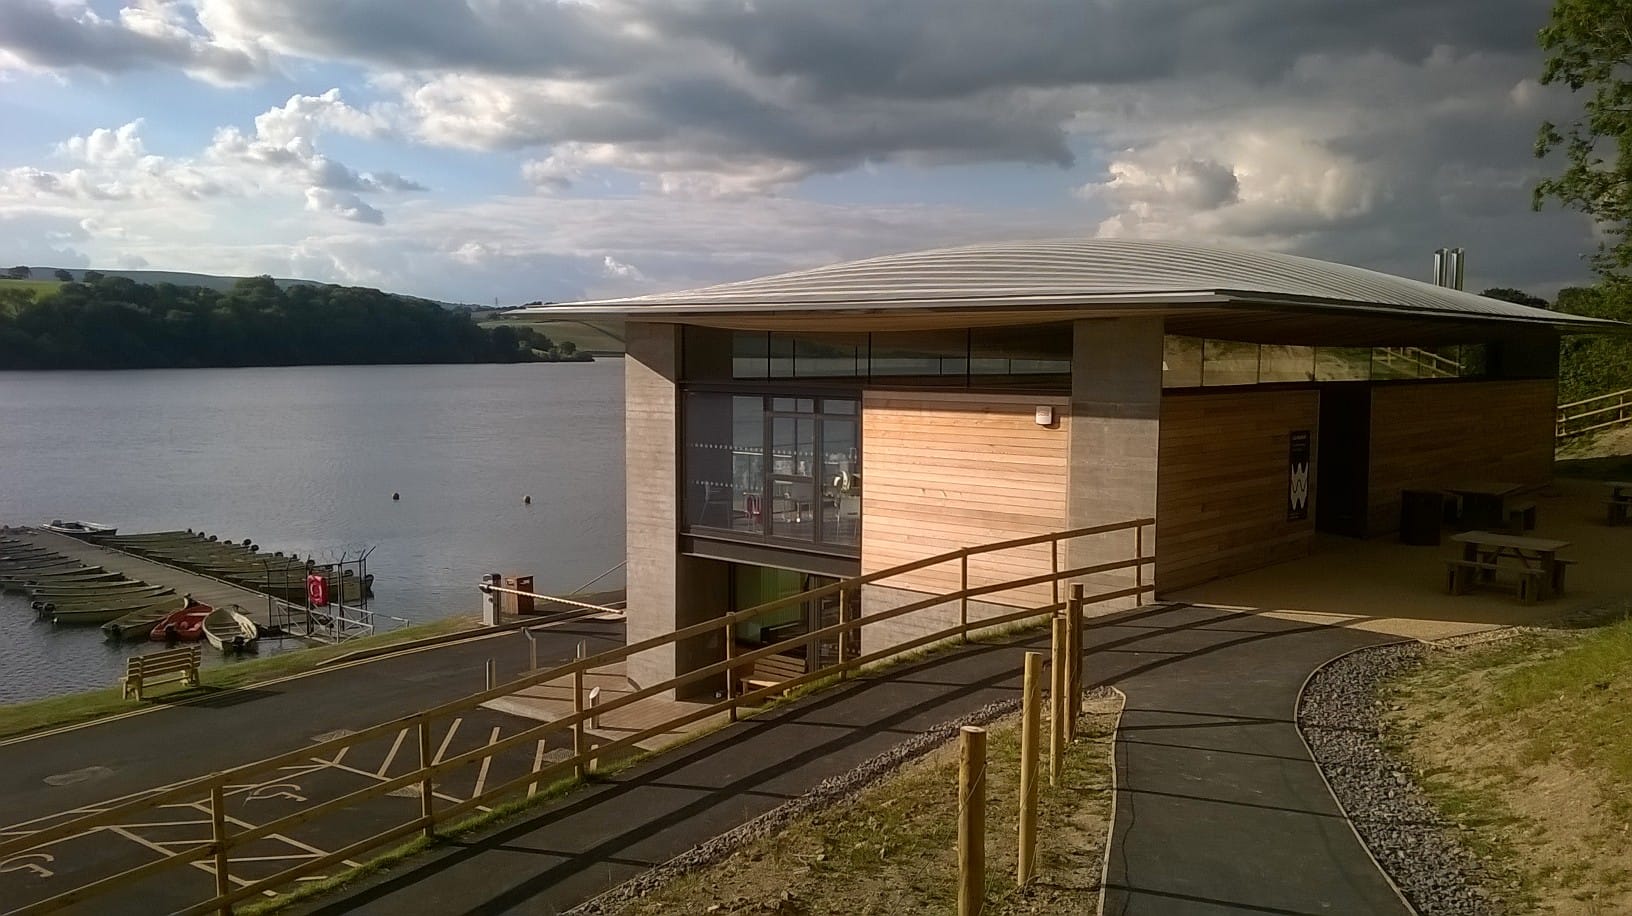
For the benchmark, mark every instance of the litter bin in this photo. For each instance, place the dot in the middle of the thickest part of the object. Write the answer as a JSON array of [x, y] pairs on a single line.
[[519, 604], [1421, 512]]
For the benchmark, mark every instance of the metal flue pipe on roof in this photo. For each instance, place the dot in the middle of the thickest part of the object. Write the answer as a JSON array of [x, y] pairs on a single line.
[[1448, 268]]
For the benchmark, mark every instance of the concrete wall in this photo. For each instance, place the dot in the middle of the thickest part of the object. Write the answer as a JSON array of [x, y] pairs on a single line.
[[1116, 404], [1224, 480], [651, 450], [1436, 434]]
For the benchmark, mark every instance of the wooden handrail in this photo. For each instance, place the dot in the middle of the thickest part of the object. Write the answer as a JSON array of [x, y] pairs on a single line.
[[1624, 392], [1621, 408], [212, 784]]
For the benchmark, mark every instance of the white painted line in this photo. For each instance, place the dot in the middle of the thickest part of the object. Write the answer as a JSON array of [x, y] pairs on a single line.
[[395, 745], [446, 740], [481, 774], [538, 764]]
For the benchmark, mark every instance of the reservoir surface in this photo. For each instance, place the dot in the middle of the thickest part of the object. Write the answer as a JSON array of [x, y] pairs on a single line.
[[306, 460]]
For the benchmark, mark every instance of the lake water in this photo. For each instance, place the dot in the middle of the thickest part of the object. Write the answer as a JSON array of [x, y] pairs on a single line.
[[306, 460]]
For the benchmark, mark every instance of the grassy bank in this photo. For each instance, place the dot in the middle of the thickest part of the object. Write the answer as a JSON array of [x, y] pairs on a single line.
[[891, 850], [1526, 746], [54, 712]]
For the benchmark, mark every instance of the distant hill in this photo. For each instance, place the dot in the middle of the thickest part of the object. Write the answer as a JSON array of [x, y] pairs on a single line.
[[179, 278]]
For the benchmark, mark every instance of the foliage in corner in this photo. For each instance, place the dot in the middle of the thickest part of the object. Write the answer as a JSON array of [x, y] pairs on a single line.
[[1589, 47], [1594, 364]]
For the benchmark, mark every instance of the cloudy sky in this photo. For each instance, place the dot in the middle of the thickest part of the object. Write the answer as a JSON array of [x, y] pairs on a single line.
[[553, 149]]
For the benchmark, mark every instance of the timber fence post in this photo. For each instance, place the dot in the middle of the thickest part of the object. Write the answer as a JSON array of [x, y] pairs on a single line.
[[1073, 668], [731, 669], [971, 820], [218, 830], [1056, 702], [844, 633], [963, 603], [1030, 711], [426, 810], [578, 723]]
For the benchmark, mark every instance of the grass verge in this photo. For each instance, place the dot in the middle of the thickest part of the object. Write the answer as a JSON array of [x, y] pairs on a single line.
[[1524, 746], [55, 712], [891, 851]]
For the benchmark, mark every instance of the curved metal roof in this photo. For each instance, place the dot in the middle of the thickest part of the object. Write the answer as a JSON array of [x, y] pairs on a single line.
[[1087, 272]]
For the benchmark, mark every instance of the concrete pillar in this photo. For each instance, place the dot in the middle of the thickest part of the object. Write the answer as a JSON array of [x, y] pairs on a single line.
[[667, 591], [1116, 406]]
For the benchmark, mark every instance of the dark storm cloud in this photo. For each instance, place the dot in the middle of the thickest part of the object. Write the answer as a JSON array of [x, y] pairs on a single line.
[[45, 35]]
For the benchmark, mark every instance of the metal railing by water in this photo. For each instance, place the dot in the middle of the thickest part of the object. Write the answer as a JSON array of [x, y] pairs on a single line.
[[209, 792]]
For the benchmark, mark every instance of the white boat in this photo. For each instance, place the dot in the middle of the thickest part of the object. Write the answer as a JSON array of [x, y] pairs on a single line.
[[80, 529], [230, 630]]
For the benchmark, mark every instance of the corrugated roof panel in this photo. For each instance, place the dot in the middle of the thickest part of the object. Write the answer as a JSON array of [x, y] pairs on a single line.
[[1096, 270]]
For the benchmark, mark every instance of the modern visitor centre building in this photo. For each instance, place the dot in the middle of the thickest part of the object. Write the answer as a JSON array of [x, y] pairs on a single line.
[[786, 432]]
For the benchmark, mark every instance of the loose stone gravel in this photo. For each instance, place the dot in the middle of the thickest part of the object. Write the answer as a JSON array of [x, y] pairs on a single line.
[[827, 794], [1340, 716]]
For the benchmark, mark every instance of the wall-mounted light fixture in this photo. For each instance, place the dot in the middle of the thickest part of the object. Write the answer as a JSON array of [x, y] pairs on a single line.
[[1045, 415]]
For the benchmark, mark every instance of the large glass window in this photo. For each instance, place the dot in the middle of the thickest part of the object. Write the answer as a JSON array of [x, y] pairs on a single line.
[[1032, 350], [779, 469], [1229, 362], [1281, 363], [921, 353]]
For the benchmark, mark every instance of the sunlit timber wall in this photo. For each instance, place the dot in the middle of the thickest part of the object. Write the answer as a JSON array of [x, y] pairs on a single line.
[[667, 590], [1222, 493], [1433, 436], [945, 470]]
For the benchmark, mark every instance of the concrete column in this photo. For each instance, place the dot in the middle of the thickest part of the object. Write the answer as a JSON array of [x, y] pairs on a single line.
[[667, 591], [1116, 406], [652, 453]]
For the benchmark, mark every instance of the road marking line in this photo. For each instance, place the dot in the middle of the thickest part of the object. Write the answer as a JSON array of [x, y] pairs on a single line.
[[538, 764], [481, 774], [448, 739], [389, 758]]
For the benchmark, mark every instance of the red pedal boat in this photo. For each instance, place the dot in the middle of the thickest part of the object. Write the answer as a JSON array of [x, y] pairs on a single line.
[[185, 625]]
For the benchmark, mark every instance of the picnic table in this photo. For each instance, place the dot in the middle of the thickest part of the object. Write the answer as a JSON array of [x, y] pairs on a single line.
[[1483, 503], [1540, 569]]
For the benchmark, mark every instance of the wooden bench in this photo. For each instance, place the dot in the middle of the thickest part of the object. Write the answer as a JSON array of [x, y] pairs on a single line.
[[1521, 516], [142, 671], [1461, 576], [771, 670]]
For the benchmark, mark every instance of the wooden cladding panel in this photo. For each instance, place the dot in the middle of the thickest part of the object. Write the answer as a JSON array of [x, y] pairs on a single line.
[[945, 470], [1436, 434], [1222, 483]]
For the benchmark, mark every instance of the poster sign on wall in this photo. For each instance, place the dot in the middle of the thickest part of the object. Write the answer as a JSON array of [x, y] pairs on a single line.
[[1297, 488]]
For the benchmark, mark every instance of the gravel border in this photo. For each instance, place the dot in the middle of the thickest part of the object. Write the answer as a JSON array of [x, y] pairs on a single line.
[[829, 793], [1340, 716]]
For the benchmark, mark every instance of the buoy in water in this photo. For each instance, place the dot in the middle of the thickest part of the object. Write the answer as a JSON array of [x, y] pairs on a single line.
[[527, 500], [396, 496]]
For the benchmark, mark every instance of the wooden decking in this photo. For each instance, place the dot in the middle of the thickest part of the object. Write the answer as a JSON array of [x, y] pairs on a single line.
[[213, 592]]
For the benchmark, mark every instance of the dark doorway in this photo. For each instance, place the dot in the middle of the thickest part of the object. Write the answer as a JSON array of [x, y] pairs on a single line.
[[1344, 455]]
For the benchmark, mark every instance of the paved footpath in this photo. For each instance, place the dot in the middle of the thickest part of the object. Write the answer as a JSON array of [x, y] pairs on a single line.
[[1219, 808]]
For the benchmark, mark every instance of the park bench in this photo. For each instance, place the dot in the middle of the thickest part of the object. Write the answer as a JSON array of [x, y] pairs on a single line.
[[772, 670], [143, 671], [1462, 575]]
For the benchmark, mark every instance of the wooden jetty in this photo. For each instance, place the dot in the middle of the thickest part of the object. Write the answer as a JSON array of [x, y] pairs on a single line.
[[214, 592]]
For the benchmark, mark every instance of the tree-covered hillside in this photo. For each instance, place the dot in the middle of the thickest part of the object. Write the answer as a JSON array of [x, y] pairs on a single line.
[[117, 323]]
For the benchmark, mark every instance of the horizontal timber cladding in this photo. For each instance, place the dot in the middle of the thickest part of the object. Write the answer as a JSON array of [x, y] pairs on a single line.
[[1222, 481], [1439, 434], [944, 470]]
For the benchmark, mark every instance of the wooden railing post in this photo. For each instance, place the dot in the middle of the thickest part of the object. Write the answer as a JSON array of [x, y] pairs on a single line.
[[218, 835], [1073, 667], [1029, 713], [844, 634], [578, 722], [426, 809], [1054, 566], [971, 820], [963, 602], [1056, 702], [1139, 570], [730, 669]]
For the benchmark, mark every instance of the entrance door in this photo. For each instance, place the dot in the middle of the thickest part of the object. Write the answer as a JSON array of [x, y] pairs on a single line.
[[1344, 455]]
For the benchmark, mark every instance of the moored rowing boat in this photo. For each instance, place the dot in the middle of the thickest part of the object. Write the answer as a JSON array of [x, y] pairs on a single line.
[[138, 623], [230, 630]]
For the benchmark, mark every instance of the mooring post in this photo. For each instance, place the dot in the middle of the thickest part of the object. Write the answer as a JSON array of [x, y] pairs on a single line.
[[1030, 711], [426, 811], [971, 820], [1056, 702], [218, 828]]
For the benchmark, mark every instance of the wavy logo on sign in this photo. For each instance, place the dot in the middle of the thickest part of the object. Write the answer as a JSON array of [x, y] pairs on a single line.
[[1300, 486]]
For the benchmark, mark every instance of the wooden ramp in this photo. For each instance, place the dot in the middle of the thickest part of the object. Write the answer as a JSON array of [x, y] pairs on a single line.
[[213, 592]]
